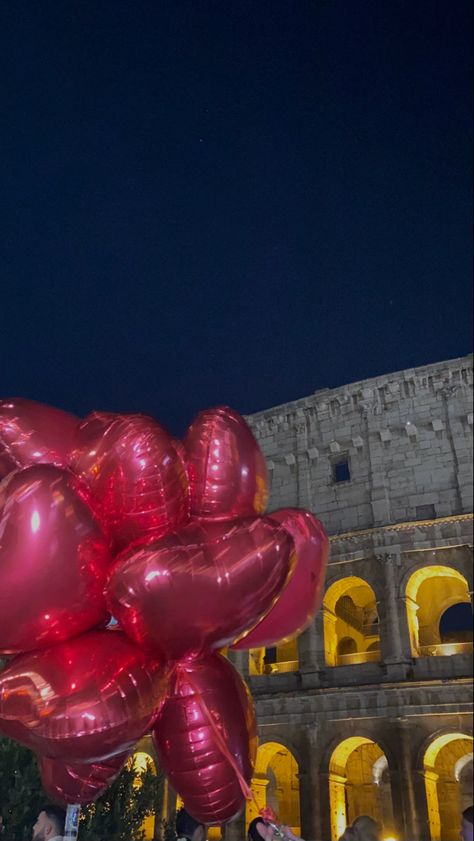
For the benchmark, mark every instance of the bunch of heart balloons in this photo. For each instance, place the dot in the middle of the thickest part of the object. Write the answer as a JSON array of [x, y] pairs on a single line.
[[110, 516]]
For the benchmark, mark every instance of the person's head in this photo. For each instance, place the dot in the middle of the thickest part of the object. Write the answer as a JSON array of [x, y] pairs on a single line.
[[366, 829], [467, 824], [349, 835], [187, 827], [50, 823]]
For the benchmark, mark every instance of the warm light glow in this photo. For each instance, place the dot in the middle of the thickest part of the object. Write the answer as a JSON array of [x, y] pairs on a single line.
[[433, 571], [438, 744], [275, 783], [440, 765], [346, 774]]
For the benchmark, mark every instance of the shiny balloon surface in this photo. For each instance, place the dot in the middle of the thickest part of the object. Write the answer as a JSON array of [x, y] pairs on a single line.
[[32, 433], [53, 560], [135, 475], [79, 783], [226, 468], [206, 729], [84, 700], [200, 587], [299, 601]]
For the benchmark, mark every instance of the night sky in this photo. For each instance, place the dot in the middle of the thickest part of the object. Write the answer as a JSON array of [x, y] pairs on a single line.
[[237, 201]]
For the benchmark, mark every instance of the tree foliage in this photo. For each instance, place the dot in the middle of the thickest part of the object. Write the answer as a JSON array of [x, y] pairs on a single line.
[[21, 793], [116, 816], [119, 814]]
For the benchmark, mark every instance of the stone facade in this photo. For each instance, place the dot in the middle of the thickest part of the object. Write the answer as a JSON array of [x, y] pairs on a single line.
[[402, 446]]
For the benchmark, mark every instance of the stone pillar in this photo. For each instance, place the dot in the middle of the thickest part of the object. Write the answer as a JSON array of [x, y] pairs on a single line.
[[406, 791], [308, 649], [393, 621], [240, 659], [311, 803]]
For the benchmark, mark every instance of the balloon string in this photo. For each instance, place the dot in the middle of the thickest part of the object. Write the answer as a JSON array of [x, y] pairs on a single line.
[[221, 742]]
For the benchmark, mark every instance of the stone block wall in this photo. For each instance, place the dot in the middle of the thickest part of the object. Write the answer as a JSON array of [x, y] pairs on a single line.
[[406, 439]]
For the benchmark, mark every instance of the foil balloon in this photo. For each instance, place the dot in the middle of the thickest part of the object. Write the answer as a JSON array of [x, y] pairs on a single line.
[[201, 587], [79, 782], [134, 472], [53, 560], [298, 603], [31, 433], [84, 700], [227, 471], [206, 738]]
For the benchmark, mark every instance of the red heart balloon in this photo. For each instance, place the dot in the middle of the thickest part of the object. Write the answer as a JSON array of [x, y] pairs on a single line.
[[84, 700], [53, 560], [201, 587], [226, 468], [80, 782], [31, 433], [206, 738], [299, 601], [135, 475]]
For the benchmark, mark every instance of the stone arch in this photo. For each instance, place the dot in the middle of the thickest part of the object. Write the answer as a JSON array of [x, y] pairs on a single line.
[[429, 592], [359, 783], [444, 759], [350, 612], [276, 783]]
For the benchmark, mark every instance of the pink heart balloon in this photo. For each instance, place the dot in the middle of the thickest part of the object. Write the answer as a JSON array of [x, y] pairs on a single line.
[[135, 475], [84, 700], [201, 587], [53, 560], [299, 601], [79, 782], [226, 468], [31, 433], [206, 737]]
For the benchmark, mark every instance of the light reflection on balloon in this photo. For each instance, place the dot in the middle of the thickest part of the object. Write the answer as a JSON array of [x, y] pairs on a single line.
[[83, 700], [226, 468], [53, 560], [135, 475], [32, 433], [200, 587], [300, 599], [79, 782], [206, 738]]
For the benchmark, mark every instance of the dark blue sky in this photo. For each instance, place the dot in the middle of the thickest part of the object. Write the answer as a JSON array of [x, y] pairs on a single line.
[[240, 201]]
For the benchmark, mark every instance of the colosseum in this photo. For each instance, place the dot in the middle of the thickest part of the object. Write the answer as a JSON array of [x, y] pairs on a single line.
[[369, 711]]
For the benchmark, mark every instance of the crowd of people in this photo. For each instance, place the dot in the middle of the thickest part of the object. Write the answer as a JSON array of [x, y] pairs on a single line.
[[50, 824]]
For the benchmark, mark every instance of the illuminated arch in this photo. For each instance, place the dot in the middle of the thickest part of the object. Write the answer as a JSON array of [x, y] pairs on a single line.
[[350, 613], [359, 783], [430, 591], [443, 765], [276, 783]]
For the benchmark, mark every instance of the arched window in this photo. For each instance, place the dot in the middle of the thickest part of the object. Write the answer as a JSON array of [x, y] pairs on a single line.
[[455, 624], [359, 784], [448, 772], [276, 784], [351, 631], [435, 599]]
